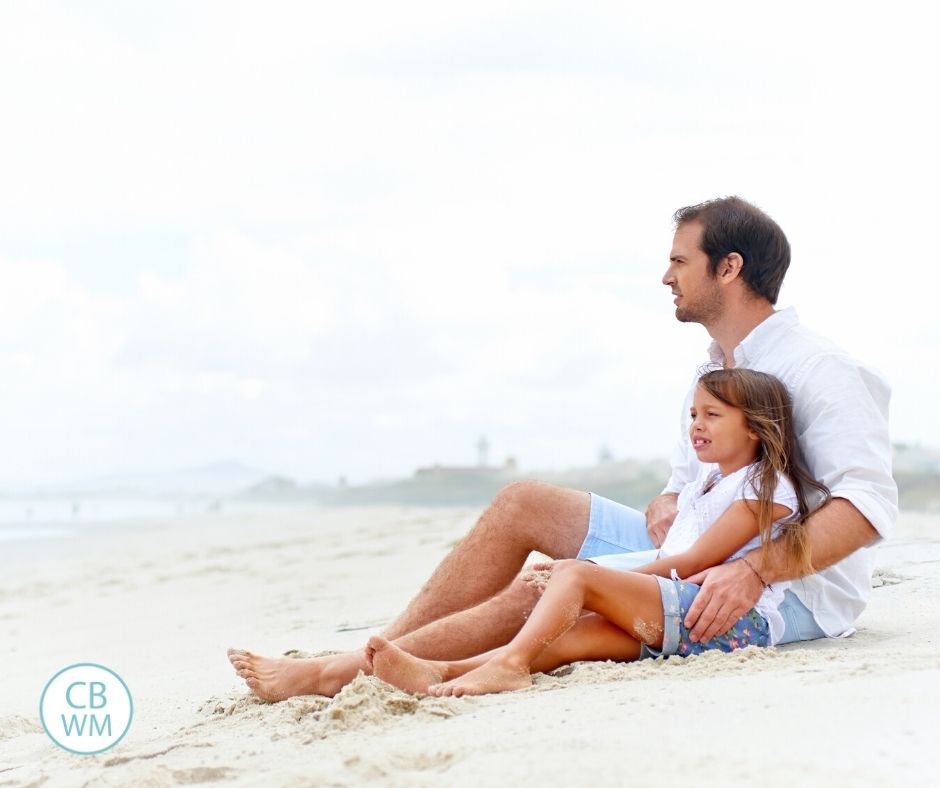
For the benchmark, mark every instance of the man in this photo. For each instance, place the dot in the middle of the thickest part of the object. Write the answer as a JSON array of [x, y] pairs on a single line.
[[725, 270]]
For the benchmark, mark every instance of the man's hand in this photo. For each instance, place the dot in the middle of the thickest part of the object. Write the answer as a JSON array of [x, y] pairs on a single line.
[[659, 516], [728, 592]]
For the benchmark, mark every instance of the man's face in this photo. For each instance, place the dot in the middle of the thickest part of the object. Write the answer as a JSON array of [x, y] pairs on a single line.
[[698, 295]]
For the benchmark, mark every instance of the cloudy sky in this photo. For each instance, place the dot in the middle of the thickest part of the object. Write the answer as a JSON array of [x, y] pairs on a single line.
[[350, 238]]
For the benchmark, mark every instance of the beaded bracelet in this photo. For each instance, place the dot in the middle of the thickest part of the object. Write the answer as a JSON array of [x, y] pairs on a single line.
[[751, 567]]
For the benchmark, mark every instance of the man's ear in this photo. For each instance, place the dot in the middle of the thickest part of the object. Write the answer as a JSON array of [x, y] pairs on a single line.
[[730, 267]]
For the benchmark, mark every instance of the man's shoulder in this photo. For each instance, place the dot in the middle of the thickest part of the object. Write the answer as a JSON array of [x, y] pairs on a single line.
[[804, 342], [800, 350]]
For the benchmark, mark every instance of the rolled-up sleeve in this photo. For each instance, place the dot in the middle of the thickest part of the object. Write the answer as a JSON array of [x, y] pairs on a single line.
[[841, 410]]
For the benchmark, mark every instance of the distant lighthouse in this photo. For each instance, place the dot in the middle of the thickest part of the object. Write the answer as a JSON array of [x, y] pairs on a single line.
[[483, 451]]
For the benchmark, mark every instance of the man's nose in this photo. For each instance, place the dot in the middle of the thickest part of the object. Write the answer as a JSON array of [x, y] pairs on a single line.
[[668, 278]]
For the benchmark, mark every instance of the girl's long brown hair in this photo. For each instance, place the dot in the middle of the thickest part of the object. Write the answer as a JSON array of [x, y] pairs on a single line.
[[768, 411]]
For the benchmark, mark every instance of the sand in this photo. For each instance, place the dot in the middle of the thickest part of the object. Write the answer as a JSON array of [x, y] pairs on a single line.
[[161, 605]]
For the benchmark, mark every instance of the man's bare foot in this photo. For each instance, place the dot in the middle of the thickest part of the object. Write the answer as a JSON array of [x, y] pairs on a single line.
[[279, 678], [494, 676], [401, 669]]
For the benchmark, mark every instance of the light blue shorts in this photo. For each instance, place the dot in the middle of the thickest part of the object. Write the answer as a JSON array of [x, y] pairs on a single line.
[[617, 538]]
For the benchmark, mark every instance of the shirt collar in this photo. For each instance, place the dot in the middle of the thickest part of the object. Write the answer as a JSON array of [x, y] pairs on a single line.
[[762, 337]]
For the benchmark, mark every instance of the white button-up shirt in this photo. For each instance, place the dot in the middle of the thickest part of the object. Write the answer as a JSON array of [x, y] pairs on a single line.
[[841, 421]]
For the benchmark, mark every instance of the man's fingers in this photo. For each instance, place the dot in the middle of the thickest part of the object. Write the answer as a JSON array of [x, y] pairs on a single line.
[[657, 535], [708, 624], [699, 578], [722, 622], [703, 632], [702, 612]]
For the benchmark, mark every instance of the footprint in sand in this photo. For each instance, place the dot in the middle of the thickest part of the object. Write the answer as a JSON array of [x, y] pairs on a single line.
[[885, 577]]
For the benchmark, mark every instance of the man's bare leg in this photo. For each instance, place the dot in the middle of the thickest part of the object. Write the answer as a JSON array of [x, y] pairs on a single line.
[[279, 678], [457, 636], [524, 516], [460, 610]]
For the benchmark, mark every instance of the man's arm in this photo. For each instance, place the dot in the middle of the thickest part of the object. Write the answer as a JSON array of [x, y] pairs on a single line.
[[730, 590], [659, 517], [833, 533]]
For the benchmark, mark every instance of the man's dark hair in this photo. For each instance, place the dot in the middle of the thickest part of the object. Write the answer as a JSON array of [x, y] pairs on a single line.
[[730, 224]]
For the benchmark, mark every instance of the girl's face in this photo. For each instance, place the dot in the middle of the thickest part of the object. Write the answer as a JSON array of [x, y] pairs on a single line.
[[719, 433]]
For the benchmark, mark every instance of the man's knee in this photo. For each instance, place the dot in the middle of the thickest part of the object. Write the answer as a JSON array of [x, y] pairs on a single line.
[[531, 515], [510, 513], [518, 497]]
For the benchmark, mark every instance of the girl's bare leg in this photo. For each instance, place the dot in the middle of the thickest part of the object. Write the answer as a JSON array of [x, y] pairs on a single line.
[[628, 600], [593, 637]]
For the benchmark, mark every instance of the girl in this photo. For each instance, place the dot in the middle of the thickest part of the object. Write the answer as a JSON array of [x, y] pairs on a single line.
[[750, 489]]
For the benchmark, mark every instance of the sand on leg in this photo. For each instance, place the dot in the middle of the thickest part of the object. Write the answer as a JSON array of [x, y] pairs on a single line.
[[629, 600]]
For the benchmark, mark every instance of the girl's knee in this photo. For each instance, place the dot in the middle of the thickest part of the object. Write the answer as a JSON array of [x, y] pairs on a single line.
[[569, 566]]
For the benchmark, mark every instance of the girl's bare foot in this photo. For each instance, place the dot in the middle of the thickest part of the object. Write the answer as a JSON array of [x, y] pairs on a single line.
[[401, 669], [495, 676], [279, 678]]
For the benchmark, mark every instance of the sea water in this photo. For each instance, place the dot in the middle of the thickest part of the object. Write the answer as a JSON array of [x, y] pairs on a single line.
[[32, 529]]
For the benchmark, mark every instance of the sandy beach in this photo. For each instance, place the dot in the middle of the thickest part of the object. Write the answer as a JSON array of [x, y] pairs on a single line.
[[160, 605]]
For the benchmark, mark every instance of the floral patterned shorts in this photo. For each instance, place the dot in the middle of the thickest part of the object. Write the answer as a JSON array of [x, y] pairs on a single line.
[[749, 630]]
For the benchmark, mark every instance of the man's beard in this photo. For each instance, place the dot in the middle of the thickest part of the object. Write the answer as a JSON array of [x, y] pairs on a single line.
[[706, 310]]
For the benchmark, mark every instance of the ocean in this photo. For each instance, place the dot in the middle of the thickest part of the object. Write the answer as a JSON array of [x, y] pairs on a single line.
[[36, 529]]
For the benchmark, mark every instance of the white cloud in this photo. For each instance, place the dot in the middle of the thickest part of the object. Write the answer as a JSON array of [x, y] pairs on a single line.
[[408, 224]]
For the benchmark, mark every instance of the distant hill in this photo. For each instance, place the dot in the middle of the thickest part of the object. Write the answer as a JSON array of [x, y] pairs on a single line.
[[215, 480], [628, 481], [631, 482]]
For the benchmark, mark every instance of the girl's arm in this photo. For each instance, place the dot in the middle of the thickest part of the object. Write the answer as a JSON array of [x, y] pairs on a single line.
[[730, 532]]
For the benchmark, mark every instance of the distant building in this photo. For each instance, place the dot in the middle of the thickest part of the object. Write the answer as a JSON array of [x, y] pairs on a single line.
[[468, 472]]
